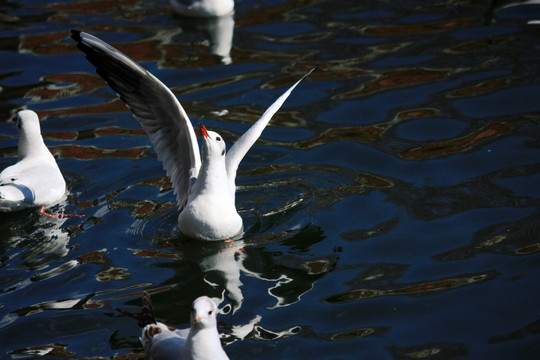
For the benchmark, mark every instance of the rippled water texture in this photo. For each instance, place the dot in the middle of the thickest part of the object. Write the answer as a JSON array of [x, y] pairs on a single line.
[[391, 207]]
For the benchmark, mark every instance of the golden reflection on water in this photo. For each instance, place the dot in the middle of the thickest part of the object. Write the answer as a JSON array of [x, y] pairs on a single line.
[[420, 289]]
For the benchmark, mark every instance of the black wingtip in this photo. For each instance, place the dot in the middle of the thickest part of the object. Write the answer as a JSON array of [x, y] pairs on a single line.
[[76, 35], [307, 74], [147, 314]]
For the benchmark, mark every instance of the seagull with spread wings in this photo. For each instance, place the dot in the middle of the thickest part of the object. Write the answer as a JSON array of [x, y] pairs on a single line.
[[204, 185]]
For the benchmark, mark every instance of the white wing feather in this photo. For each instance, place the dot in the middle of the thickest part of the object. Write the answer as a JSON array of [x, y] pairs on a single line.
[[237, 152], [154, 106]]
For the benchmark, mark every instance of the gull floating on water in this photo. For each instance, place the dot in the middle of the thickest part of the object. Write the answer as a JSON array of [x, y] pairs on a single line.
[[205, 187], [200, 342], [202, 8], [35, 180]]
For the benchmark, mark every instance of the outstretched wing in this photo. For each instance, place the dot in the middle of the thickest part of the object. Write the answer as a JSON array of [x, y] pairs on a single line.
[[153, 105], [237, 152]]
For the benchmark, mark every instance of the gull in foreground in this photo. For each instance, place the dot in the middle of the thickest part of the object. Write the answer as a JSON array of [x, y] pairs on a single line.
[[202, 8], [200, 342], [35, 180], [205, 186]]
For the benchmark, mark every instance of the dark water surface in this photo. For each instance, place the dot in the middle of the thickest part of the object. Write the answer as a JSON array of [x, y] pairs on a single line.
[[391, 207]]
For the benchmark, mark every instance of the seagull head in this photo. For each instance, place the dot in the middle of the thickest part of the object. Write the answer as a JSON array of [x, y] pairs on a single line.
[[27, 121], [30, 140], [203, 313], [213, 143]]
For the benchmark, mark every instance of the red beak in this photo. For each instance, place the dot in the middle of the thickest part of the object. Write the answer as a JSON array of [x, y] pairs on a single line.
[[203, 130]]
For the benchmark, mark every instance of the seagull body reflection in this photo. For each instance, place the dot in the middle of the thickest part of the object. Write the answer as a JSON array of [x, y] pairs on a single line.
[[202, 8], [219, 31]]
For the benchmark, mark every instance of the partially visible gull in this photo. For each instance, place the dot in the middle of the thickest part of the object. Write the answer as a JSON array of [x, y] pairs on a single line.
[[35, 180], [205, 186], [200, 342], [202, 8]]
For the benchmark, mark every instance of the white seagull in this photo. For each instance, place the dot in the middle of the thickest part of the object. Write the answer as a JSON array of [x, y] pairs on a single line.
[[200, 342], [35, 180], [202, 8], [205, 187]]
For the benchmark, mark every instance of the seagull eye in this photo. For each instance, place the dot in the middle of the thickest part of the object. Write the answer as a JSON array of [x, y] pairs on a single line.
[[210, 312], [223, 153], [13, 179], [218, 138]]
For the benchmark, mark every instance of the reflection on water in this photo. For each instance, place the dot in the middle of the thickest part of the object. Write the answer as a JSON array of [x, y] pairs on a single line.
[[33, 248], [220, 266], [35, 239], [218, 30], [415, 289], [390, 208]]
